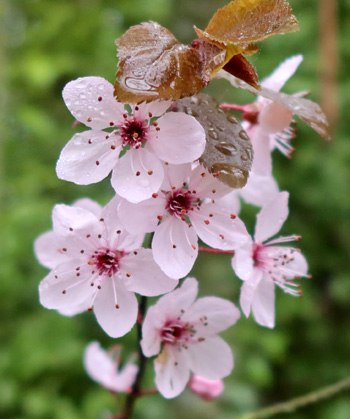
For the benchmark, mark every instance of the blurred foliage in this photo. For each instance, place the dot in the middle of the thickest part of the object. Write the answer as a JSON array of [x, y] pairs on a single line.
[[43, 45]]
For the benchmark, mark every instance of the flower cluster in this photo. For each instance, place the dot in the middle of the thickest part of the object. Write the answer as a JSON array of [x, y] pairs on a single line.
[[96, 254]]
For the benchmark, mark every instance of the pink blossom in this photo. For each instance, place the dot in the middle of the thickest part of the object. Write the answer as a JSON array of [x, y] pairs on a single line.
[[262, 265], [184, 208], [91, 155], [205, 389], [97, 264], [268, 123], [184, 332], [103, 368]]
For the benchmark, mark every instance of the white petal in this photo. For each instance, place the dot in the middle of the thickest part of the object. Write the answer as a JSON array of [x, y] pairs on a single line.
[[141, 274], [283, 72], [259, 190], [231, 201], [263, 305], [219, 315], [218, 227], [72, 222], [262, 163], [271, 217], [172, 373], [116, 322], [138, 175], [89, 205], [248, 291], [102, 368], [48, 249], [142, 217], [91, 101], [206, 185], [76, 309], [83, 162], [175, 175], [63, 288], [175, 247], [156, 108], [118, 237], [180, 139], [242, 261], [211, 358]]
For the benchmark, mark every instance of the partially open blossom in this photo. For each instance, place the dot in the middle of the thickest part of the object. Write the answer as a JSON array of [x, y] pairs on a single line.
[[96, 264], [207, 390], [262, 265], [103, 368], [184, 332], [268, 123], [91, 155], [183, 209]]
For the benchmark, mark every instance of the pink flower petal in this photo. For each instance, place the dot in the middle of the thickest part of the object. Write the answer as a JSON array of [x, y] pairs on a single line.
[[91, 101], [155, 108], [88, 157], [271, 217], [116, 322], [283, 72], [262, 163], [231, 201], [138, 175], [141, 274], [220, 314], [118, 237], [218, 227], [243, 262], [142, 217], [180, 139], [206, 185], [62, 288], [76, 309], [263, 305], [175, 175], [211, 358], [103, 369], [48, 249], [275, 118], [89, 205], [172, 373], [260, 189], [248, 291], [175, 247]]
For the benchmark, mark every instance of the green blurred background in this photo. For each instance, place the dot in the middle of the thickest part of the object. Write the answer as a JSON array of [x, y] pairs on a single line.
[[43, 45]]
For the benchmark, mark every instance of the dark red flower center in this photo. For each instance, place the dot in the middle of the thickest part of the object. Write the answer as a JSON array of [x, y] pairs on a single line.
[[180, 203], [134, 132], [107, 261]]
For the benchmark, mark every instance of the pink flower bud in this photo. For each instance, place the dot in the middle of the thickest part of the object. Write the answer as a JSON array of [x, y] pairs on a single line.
[[206, 389]]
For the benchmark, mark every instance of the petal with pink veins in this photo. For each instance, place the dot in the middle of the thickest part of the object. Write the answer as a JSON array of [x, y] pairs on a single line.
[[88, 157], [175, 175], [141, 274], [218, 227], [271, 217], [138, 175], [219, 314], [211, 358], [92, 102], [263, 305], [175, 247], [116, 322], [180, 139]]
